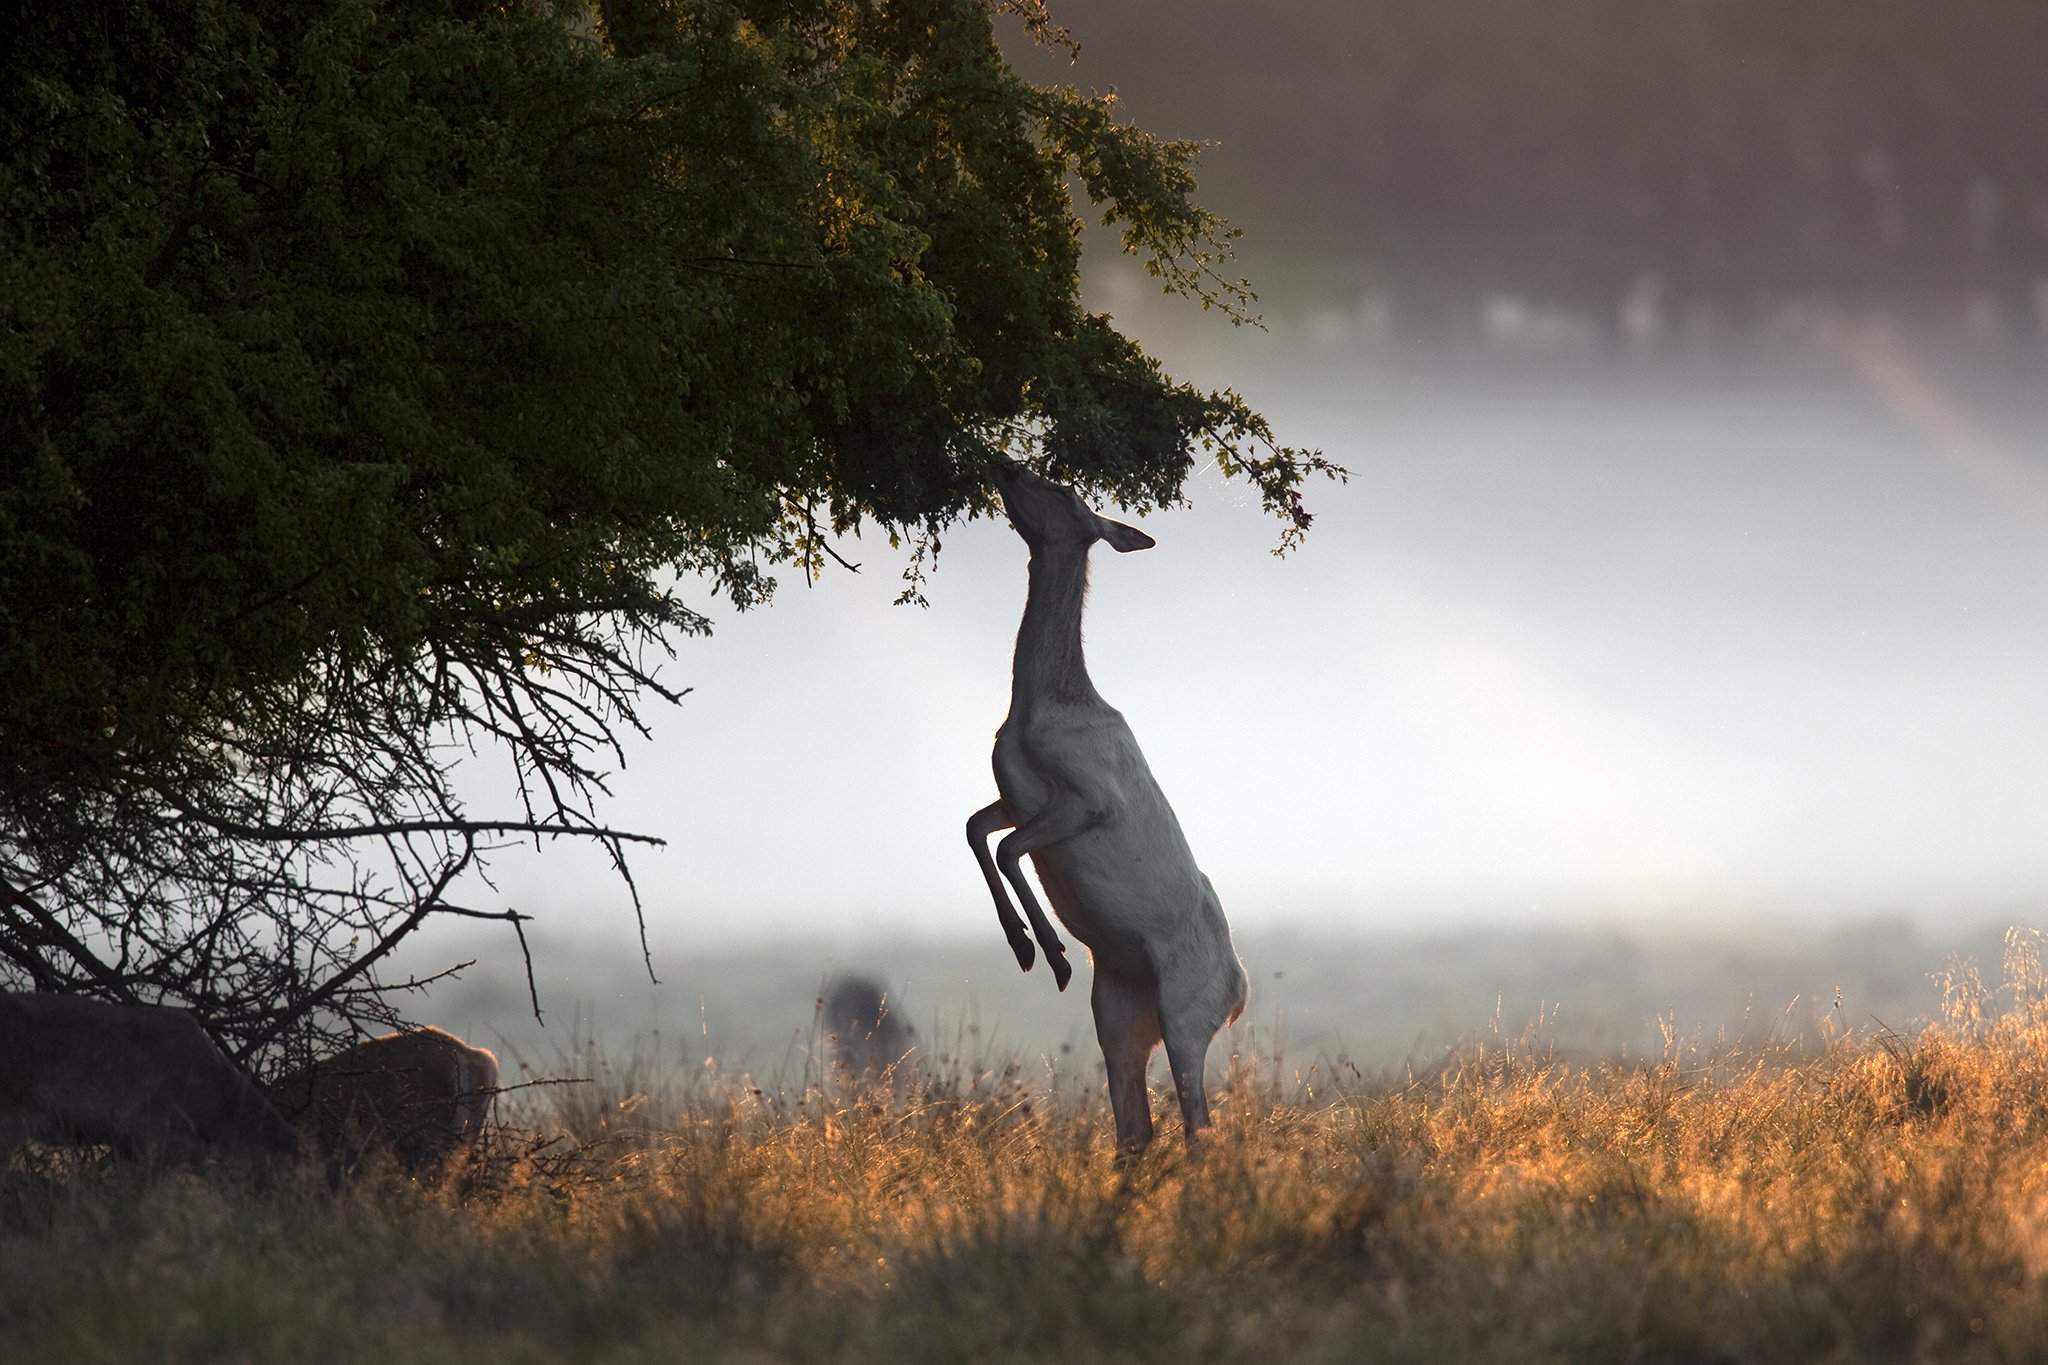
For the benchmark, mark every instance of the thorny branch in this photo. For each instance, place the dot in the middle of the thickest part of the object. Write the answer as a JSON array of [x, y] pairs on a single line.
[[265, 877]]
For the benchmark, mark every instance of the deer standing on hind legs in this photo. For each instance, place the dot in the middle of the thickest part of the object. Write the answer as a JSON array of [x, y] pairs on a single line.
[[1077, 796]]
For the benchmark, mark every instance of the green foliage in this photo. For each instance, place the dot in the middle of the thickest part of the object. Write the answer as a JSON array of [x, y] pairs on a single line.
[[373, 323], [369, 367]]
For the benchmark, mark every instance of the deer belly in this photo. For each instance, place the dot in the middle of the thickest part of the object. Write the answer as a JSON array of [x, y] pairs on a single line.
[[1109, 931]]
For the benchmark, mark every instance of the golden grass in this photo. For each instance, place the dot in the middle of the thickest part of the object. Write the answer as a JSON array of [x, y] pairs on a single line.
[[1885, 1198]]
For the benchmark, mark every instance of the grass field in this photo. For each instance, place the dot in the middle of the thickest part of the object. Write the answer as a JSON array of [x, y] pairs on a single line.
[[1877, 1198]]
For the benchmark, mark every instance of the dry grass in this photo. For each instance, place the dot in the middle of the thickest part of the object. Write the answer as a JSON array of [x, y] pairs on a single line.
[[1884, 1199]]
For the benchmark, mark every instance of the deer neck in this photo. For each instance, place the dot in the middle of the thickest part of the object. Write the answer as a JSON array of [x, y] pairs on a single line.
[[1049, 666]]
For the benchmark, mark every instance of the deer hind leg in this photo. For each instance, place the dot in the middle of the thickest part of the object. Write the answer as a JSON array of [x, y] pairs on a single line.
[[1127, 1026], [1187, 1052], [984, 822], [1190, 1013]]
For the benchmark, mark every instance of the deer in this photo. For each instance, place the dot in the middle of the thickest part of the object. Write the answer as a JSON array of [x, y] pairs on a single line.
[[868, 1039], [421, 1095], [1078, 798], [143, 1080]]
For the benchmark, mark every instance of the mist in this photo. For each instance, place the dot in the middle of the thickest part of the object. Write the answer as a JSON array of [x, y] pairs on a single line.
[[1600, 643], [1686, 585]]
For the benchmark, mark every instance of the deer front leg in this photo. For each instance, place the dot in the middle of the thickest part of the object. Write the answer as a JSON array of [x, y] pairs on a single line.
[[980, 825], [1062, 819]]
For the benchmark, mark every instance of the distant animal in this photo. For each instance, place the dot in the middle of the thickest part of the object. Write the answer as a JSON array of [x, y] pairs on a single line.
[[866, 1037], [1076, 793], [144, 1080], [421, 1095]]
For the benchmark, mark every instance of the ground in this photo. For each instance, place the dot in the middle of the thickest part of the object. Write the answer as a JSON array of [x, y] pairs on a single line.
[[1875, 1198]]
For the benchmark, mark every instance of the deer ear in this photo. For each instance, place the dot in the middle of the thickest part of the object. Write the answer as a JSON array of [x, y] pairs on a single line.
[[1123, 539]]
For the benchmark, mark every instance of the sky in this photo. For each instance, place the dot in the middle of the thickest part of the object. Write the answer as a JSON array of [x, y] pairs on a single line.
[[1624, 617]]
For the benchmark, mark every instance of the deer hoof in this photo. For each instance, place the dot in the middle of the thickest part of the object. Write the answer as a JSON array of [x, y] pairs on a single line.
[[1062, 973], [1021, 946]]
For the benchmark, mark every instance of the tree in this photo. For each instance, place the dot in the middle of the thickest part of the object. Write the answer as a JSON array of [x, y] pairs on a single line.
[[377, 380]]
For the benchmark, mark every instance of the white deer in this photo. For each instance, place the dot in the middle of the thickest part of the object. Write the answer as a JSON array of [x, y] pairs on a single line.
[[1081, 801]]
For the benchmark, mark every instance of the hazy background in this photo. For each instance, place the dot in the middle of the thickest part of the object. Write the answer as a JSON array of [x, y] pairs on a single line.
[[1676, 648]]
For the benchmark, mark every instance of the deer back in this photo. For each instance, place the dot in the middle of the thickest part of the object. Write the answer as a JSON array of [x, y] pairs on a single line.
[[420, 1096], [143, 1079]]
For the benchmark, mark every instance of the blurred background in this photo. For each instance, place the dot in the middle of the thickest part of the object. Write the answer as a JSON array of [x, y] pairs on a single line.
[[1672, 661]]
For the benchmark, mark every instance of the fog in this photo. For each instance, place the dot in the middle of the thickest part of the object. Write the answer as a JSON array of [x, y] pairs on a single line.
[[1609, 642], [1687, 587]]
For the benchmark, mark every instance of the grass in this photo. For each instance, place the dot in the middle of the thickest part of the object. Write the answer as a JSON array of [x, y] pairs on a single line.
[[1880, 1198]]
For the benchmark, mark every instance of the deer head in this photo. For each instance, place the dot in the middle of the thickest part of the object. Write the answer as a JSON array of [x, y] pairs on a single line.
[[1052, 516]]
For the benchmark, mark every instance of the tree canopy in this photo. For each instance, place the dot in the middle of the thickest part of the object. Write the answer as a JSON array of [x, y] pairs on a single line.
[[378, 378]]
